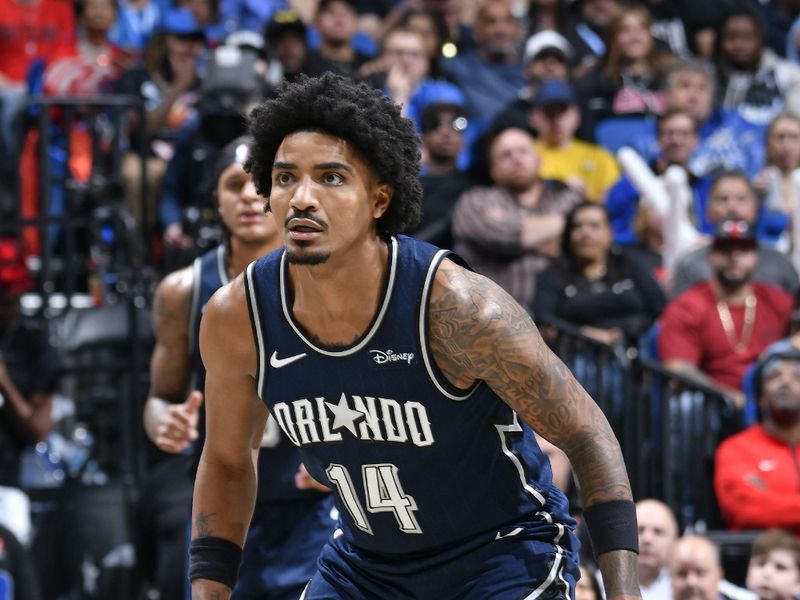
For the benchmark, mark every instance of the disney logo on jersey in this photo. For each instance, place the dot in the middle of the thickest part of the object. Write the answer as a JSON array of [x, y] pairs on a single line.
[[389, 356], [366, 418]]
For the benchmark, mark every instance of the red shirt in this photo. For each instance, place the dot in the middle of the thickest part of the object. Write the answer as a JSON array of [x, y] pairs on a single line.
[[43, 29], [757, 481], [691, 330]]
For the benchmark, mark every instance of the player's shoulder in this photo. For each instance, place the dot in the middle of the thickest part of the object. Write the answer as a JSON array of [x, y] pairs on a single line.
[[457, 289], [229, 301], [176, 288]]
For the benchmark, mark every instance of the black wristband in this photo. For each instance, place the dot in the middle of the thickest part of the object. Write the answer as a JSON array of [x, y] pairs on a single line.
[[214, 558], [612, 526]]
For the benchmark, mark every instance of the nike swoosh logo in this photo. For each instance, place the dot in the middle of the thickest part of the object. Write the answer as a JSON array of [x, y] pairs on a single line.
[[511, 533], [277, 363]]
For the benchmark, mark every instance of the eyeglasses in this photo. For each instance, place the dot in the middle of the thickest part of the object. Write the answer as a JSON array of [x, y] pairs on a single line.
[[457, 124]]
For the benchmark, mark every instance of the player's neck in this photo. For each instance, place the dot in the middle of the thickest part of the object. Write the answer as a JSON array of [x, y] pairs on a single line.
[[337, 300]]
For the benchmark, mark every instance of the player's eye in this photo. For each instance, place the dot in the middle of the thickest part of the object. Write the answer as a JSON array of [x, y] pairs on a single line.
[[332, 178], [283, 178]]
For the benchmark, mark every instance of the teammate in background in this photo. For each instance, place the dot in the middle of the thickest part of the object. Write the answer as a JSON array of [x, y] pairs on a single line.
[[411, 384], [290, 525]]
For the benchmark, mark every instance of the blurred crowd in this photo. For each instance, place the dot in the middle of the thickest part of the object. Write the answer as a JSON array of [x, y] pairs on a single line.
[[627, 170]]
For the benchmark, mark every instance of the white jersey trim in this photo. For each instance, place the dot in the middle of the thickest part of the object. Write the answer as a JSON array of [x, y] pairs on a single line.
[[254, 315], [194, 306], [555, 572], [423, 334], [222, 270], [515, 427], [393, 248]]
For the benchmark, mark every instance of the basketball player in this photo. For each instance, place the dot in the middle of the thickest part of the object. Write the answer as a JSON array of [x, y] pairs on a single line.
[[290, 525], [411, 385]]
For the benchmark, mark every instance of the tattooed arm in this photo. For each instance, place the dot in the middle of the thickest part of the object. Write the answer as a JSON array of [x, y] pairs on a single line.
[[225, 488], [170, 416], [478, 332]]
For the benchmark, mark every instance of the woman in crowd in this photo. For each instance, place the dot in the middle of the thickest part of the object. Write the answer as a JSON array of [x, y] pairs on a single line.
[[775, 180], [630, 78], [594, 286]]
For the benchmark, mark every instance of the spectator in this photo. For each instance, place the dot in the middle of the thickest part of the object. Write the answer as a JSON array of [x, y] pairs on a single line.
[[208, 17], [443, 125], [249, 14], [587, 32], [635, 224], [491, 74], [727, 141], [586, 168], [286, 36], [509, 231], [29, 369], [33, 32], [630, 77], [774, 569], [428, 24], [775, 180], [547, 15], [403, 71], [683, 26], [98, 63], [595, 287], [137, 21], [695, 570], [658, 530], [337, 23], [732, 197], [753, 80], [716, 328], [547, 55], [168, 83], [756, 480]]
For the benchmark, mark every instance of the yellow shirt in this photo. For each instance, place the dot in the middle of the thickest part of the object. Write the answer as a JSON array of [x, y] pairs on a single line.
[[595, 165]]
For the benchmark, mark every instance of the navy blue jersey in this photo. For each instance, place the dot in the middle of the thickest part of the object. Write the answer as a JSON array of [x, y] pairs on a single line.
[[279, 461], [417, 463]]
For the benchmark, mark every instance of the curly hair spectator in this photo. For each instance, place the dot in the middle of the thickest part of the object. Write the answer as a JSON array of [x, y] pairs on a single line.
[[753, 79]]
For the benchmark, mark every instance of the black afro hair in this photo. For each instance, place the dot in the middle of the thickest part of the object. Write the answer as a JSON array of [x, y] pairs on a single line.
[[355, 112]]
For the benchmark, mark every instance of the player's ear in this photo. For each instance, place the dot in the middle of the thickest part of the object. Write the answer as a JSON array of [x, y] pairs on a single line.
[[381, 200]]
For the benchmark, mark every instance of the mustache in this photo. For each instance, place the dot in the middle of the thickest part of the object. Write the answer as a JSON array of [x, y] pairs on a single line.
[[304, 214]]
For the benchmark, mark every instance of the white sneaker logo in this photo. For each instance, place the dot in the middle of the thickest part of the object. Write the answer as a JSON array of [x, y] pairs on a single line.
[[277, 363]]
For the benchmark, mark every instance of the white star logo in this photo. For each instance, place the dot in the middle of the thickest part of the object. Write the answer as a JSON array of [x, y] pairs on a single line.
[[344, 416]]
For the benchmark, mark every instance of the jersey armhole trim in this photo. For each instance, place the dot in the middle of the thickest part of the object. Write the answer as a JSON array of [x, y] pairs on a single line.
[[194, 304], [253, 306], [436, 376]]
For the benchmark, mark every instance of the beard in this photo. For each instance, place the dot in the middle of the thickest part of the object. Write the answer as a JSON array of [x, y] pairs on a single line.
[[733, 281], [310, 259]]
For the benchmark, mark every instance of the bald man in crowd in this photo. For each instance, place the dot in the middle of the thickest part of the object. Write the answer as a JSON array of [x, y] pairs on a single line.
[[658, 530], [695, 569]]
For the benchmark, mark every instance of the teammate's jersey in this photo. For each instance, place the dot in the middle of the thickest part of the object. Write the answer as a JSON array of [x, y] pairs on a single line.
[[417, 463], [279, 462]]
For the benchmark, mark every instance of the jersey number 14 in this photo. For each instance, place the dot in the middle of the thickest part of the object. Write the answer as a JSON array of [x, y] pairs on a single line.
[[382, 491]]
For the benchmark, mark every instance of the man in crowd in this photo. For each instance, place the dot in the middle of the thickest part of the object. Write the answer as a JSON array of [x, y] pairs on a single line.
[[756, 479], [716, 328], [337, 23], [443, 125], [732, 197], [511, 230], [586, 168], [658, 530], [491, 74]]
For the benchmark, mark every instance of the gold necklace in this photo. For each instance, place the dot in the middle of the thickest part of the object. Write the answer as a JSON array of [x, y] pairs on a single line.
[[730, 328]]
